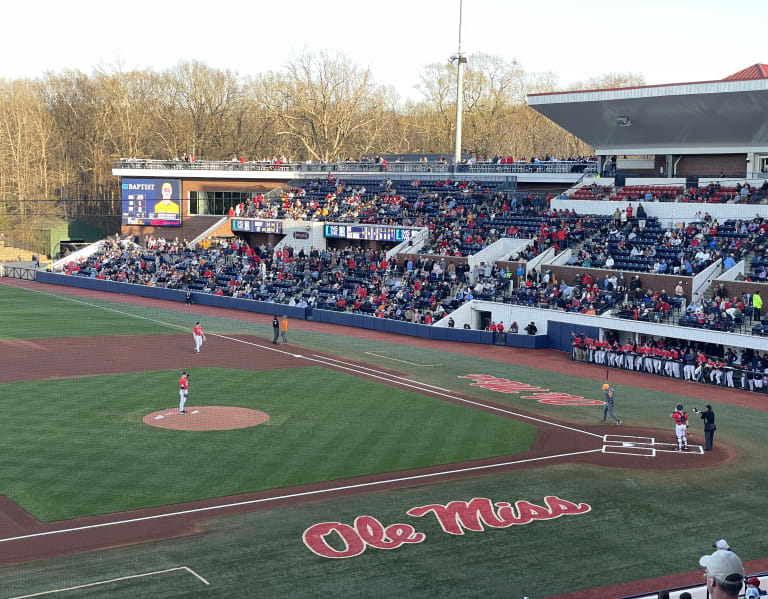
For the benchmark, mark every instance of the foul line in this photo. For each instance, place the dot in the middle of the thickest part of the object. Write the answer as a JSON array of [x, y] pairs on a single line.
[[387, 374], [423, 387], [94, 584], [295, 495], [370, 353], [162, 322]]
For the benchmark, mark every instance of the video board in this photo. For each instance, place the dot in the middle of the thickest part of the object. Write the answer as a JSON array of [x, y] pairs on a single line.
[[250, 225], [155, 202], [368, 232]]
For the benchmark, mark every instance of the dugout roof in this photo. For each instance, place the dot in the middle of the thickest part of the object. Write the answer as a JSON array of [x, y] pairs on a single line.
[[724, 116]]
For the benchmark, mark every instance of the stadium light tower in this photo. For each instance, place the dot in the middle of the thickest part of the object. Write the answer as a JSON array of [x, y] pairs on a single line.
[[460, 61]]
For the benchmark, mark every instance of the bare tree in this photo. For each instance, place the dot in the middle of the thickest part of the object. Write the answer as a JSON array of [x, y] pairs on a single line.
[[322, 102], [197, 109], [610, 81]]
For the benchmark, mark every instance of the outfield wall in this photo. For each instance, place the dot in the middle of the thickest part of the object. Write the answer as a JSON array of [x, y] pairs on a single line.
[[349, 319]]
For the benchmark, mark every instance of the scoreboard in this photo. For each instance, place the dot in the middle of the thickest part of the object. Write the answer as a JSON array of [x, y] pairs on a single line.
[[369, 232], [155, 202], [250, 225]]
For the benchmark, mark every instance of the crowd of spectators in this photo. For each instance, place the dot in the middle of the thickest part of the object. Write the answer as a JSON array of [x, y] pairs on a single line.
[[634, 242], [347, 279], [716, 193], [463, 217], [420, 290], [721, 313], [711, 193]]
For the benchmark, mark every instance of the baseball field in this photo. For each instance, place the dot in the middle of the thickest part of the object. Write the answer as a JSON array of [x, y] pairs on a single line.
[[346, 462]]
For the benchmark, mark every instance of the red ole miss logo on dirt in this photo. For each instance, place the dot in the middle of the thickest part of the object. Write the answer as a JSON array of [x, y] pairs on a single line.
[[486, 381], [454, 518]]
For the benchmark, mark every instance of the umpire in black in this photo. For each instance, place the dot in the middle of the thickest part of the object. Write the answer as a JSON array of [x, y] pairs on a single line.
[[275, 329], [708, 416]]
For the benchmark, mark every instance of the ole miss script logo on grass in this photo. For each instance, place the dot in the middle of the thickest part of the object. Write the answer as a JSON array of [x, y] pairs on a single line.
[[336, 540], [486, 381]]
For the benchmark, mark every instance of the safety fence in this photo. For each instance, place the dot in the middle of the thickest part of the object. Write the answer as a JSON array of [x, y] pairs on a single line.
[[548, 166], [18, 272]]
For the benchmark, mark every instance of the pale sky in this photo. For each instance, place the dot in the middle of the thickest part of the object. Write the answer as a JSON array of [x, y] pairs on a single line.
[[667, 41]]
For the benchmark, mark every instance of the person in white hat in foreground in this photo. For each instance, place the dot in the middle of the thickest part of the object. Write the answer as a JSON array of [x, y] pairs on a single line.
[[725, 574]]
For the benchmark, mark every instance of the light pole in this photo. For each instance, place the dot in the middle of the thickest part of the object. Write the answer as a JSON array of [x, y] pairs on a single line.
[[460, 60]]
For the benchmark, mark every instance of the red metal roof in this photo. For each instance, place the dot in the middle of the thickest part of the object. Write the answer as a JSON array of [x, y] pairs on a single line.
[[756, 71]]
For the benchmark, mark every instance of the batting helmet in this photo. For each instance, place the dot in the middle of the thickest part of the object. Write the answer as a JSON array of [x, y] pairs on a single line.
[[184, 373], [606, 386], [679, 406]]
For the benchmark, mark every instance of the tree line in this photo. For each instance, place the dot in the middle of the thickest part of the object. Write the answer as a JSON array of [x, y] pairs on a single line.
[[60, 134]]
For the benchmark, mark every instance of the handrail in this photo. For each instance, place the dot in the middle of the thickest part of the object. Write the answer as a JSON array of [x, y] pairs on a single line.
[[704, 278], [549, 166]]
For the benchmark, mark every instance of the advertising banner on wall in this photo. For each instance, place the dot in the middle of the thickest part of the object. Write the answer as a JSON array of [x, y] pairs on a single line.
[[155, 202]]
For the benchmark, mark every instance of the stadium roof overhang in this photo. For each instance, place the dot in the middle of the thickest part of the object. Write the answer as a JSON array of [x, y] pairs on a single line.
[[689, 118]]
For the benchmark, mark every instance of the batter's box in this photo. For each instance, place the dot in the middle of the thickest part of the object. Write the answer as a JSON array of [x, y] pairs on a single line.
[[631, 449], [629, 439], [672, 448]]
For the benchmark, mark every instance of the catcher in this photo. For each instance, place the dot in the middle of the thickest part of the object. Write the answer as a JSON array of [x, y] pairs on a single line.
[[183, 391]]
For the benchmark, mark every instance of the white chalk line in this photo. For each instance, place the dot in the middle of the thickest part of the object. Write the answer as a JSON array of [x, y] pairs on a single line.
[[370, 353], [392, 376], [423, 387], [102, 582], [162, 322], [296, 495]]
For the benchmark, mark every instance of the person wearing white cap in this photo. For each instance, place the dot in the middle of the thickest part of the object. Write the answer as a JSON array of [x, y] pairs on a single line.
[[722, 544], [725, 574]]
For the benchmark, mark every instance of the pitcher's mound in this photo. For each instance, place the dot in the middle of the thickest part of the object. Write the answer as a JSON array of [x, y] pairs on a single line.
[[206, 418]]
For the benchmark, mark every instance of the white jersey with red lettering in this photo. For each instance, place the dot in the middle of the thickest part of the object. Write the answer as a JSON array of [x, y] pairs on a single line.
[[197, 334]]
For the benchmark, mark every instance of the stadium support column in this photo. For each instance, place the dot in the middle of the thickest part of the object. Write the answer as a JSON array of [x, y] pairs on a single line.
[[753, 165], [671, 165], [460, 60]]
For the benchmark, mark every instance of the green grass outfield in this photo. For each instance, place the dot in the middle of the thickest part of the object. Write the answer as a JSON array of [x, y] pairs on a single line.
[[92, 454], [643, 524]]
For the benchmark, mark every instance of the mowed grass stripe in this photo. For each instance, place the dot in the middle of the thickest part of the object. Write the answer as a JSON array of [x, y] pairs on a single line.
[[29, 315], [77, 447]]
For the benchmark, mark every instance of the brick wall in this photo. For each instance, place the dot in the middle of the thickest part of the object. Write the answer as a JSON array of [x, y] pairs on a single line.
[[713, 165]]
